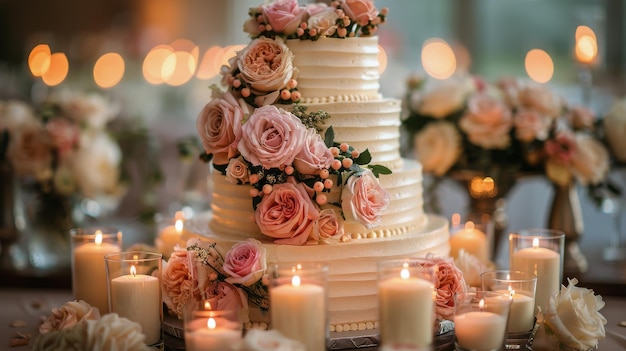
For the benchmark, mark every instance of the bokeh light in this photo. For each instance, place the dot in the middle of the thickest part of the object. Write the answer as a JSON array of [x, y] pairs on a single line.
[[108, 70], [153, 65], [382, 59], [539, 66], [438, 58], [57, 72], [39, 60]]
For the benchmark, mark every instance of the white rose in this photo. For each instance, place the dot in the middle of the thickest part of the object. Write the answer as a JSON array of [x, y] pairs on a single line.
[[615, 129], [269, 340], [14, 114], [324, 22], [590, 160], [68, 315], [30, 150], [573, 316], [112, 332], [438, 147], [471, 267], [91, 110], [443, 98], [96, 164]]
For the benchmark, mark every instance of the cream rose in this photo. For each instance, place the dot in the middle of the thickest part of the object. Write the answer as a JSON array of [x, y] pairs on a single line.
[[363, 199], [540, 98], [315, 155], [91, 110], [245, 262], [590, 160], [266, 65], [438, 147], [573, 315], [324, 22], [68, 315], [237, 171], [510, 88], [272, 137], [580, 117], [327, 225], [487, 122], [269, 340], [442, 98], [14, 114], [96, 164], [530, 125], [471, 267], [287, 214], [113, 332], [615, 129], [284, 16], [360, 11], [30, 151], [219, 127]]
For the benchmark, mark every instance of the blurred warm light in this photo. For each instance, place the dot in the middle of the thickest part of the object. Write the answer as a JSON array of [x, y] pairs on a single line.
[[539, 65], [57, 71], [207, 67], [483, 187], [186, 45], [438, 58], [108, 70], [463, 57], [230, 52], [382, 59], [182, 66], [39, 60], [153, 64], [586, 48], [582, 31]]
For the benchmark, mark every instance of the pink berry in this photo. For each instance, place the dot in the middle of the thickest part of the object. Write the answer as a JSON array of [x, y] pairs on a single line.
[[289, 170], [355, 153], [303, 25], [328, 183], [312, 32], [245, 92], [300, 32], [236, 83], [324, 173], [336, 165], [254, 178], [321, 199], [292, 83], [268, 27], [285, 94], [267, 188], [295, 96], [344, 147], [254, 192], [318, 186], [346, 162], [334, 151], [261, 28]]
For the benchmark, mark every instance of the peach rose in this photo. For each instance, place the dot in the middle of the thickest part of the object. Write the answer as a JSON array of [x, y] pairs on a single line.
[[315, 155], [287, 214], [324, 21], [449, 282], [179, 289], [68, 315], [510, 88], [363, 199], [360, 11], [530, 125], [266, 65], [327, 225], [237, 171], [580, 117], [284, 16], [272, 137], [219, 127], [540, 98], [245, 262], [438, 147], [487, 122]]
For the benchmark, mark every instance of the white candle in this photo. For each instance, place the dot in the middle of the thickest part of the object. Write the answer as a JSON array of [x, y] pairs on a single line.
[[299, 312], [546, 265], [138, 298], [171, 236], [89, 280], [472, 240], [522, 315], [211, 334], [480, 331], [406, 311]]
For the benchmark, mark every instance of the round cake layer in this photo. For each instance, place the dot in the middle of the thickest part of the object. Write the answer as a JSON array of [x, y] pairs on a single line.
[[233, 214], [344, 69], [352, 266]]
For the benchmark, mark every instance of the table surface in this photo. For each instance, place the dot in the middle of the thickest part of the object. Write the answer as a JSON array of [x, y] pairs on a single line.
[[31, 305]]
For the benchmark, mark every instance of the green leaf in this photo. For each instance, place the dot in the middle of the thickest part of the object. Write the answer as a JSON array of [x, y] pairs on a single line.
[[378, 169], [329, 137], [364, 158]]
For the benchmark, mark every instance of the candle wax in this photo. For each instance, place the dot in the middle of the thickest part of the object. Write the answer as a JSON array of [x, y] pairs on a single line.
[[89, 280], [480, 331], [546, 265]]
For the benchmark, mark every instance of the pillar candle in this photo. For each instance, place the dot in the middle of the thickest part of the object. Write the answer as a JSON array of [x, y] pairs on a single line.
[[522, 315], [406, 311], [472, 240], [546, 265], [211, 334], [171, 236], [89, 281], [480, 331], [138, 298], [299, 313]]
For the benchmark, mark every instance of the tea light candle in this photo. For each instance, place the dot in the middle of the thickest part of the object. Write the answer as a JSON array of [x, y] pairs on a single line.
[[480, 331], [89, 281], [171, 236], [211, 334], [545, 264], [406, 310], [522, 315], [138, 298], [472, 240], [298, 312]]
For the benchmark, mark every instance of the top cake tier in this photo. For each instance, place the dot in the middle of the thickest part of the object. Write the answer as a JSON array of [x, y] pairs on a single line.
[[336, 69]]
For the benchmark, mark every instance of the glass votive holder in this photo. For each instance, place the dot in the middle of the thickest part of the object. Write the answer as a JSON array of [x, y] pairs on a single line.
[[520, 287], [480, 320], [299, 302], [170, 232], [89, 280], [540, 252], [406, 304], [134, 286], [212, 330]]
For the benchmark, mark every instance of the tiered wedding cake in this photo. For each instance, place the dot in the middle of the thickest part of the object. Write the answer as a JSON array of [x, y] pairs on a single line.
[[302, 197]]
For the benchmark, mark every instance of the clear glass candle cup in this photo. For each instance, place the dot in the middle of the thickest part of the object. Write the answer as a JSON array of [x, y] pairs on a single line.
[[406, 303], [299, 302], [89, 280], [134, 287], [540, 252], [480, 320], [212, 330]]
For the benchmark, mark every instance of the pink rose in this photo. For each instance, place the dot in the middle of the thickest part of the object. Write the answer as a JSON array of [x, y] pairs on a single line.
[[68, 315], [449, 281], [64, 134], [245, 262], [561, 149], [360, 11], [287, 214], [237, 171], [580, 117], [363, 199], [219, 126], [284, 16], [226, 297], [272, 137], [266, 65], [540, 98], [315, 155], [487, 122], [327, 225], [317, 8], [180, 290], [530, 125]]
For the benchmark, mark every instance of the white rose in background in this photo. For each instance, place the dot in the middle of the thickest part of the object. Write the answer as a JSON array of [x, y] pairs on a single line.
[[590, 160], [91, 110], [443, 98], [471, 267], [438, 147], [269, 340], [112, 332], [487, 122], [615, 129], [574, 317], [14, 114], [30, 150], [96, 165]]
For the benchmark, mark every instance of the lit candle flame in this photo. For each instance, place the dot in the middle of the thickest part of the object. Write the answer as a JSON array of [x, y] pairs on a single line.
[[207, 306], [511, 293], [295, 280], [211, 323], [535, 243], [586, 49], [135, 257], [404, 273], [133, 270], [98, 239], [456, 220], [179, 226], [481, 305], [469, 226]]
